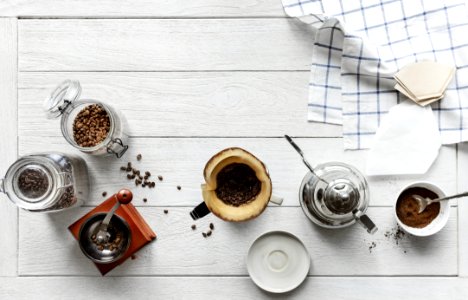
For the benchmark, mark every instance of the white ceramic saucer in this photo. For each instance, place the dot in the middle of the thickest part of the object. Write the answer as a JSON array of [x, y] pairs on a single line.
[[278, 262]]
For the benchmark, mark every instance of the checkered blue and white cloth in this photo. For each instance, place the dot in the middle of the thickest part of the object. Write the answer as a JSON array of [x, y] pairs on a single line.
[[361, 44]]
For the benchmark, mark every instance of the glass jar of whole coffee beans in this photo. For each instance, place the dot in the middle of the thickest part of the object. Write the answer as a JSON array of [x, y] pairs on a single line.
[[89, 125], [46, 182]]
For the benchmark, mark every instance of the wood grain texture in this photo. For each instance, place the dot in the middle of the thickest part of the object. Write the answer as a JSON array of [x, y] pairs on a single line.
[[163, 45], [8, 142], [141, 8], [46, 248], [181, 162], [462, 169], [184, 103], [84, 288]]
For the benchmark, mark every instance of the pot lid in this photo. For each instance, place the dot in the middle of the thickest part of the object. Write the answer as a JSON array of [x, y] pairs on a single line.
[[67, 92], [341, 197]]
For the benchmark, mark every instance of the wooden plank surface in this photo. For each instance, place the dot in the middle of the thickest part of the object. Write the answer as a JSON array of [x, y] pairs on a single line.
[[163, 45], [184, 103], [46, 248], [218, 75], [346, 288], [8, 142], [181, 161], [141, 8]]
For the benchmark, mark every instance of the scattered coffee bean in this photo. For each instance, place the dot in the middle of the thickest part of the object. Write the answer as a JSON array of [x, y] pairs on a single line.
[[208, 233], [123, 168], [166, 211], [147, 173], [139, 157], [145, 200], [211, 226], [160, 178], [133, 176], [145, 177], [137, 172], [91, 126], [204, 234], [179, 187], [395, 234], [133, 256], [143, 185], [194, 227], [129, 165], [129, 176], [153, 184], [104, 194], [372, 246], [128, 169], [137, 181]]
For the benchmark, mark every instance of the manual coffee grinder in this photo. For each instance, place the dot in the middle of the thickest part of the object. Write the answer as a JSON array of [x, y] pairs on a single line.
[[112, 232], [334, 195]]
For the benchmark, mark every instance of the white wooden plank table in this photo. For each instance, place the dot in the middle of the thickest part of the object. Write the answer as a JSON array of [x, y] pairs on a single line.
[[192, 78]]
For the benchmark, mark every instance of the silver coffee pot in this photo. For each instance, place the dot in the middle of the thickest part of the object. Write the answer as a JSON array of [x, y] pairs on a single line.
[[334, 195]]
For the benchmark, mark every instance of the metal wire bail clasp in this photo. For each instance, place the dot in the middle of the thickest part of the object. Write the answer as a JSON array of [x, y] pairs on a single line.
[[120, 144]]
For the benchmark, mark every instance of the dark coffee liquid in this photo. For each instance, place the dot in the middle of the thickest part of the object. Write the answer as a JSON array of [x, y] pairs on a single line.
[[237, 184], [407, 208]]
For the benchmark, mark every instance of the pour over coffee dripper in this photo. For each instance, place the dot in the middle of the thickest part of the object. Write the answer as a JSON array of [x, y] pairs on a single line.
[[334, 195]]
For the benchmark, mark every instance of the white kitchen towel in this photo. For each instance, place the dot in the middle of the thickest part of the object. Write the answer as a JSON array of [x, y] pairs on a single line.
[[361, 44]]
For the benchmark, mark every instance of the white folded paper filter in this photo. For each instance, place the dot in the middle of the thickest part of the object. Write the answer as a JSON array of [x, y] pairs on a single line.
[[407, 142]]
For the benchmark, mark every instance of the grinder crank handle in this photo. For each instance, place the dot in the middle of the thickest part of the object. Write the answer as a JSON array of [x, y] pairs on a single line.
[[124, 196]]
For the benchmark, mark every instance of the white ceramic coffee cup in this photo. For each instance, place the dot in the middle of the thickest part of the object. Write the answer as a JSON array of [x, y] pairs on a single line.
[[438, 223]]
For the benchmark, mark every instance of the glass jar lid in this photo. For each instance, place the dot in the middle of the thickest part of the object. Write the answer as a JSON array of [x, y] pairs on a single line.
[[32, 183], [67, 92]]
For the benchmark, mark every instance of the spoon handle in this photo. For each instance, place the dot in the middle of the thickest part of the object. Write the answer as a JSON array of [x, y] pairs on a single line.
[[306, 163], [109, 215], [450, 197]]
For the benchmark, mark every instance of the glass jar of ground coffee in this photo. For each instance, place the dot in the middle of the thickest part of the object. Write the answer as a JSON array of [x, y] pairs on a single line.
[[46, 182], [91, 126]]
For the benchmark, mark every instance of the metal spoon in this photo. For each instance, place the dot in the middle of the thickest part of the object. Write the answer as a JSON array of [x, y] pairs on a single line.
[[424, 202], [102, 235], [295, 146]]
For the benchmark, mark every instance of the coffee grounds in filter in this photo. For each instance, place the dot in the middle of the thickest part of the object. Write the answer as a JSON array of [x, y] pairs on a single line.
[[237, 184]]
